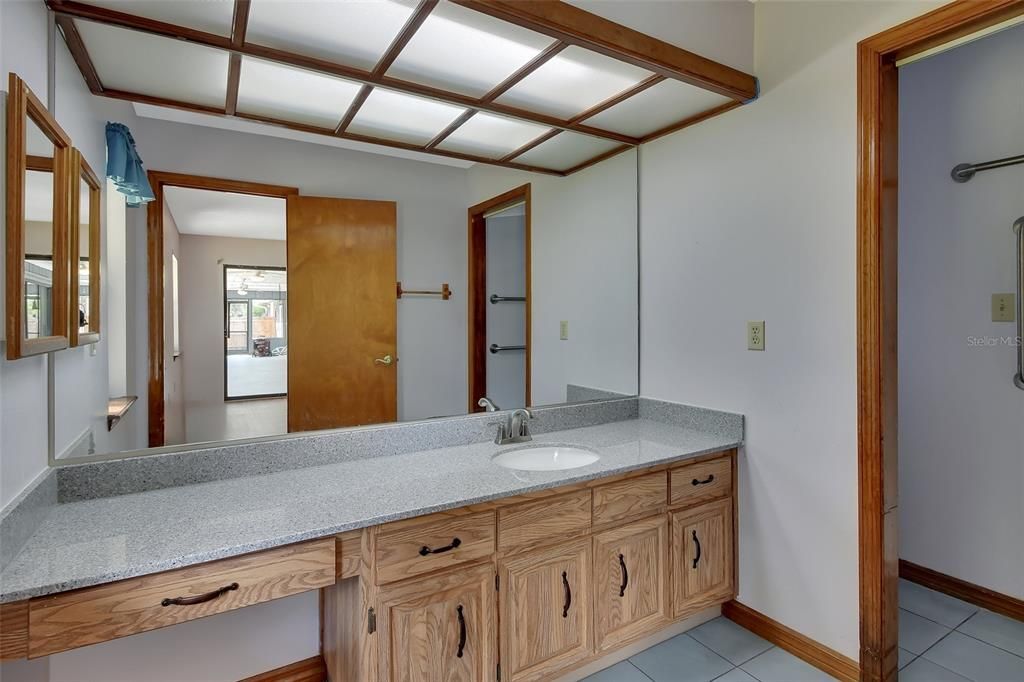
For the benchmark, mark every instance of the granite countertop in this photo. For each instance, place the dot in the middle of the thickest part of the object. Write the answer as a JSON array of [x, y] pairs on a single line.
[[96, 541]]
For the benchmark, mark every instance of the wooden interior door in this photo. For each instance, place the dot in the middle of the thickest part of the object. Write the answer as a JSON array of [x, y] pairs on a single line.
[[545, 611], [702, 556], [342, 337], [440, 629], [630, 581]]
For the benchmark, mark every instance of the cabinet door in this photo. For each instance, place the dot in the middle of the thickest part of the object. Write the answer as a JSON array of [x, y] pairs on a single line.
[[440, 629], [630, 581], [545, 611], [702, 556]]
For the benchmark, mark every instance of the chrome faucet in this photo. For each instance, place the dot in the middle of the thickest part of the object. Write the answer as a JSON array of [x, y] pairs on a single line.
[[516, 430], [488, 404]]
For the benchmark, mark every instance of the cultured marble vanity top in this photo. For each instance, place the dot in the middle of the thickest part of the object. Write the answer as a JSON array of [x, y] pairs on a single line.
[[89, 542]]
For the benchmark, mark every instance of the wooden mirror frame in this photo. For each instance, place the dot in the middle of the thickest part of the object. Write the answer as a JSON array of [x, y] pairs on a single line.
[[22, 105], [84, 172]]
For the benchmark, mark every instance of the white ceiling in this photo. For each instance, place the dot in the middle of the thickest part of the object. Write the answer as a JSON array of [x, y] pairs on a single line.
[[224, 214]]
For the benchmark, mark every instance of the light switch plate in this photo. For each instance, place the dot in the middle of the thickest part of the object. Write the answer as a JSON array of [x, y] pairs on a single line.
[[755, 335], [563, 330], [1003, 308]]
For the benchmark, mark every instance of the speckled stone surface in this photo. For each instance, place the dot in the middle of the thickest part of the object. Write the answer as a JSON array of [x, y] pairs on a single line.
[[725, 424], [579, 394], [155, 472], [22, 515], [94, 541]]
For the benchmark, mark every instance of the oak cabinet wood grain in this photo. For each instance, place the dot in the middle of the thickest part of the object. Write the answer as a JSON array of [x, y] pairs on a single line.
[[696, 483], [409, 548], [703, 571], [545, 611], [633, 498], [631, 586], [548, 520]]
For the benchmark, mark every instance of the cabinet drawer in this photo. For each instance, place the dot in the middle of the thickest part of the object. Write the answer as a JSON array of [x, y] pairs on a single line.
[[97, 614], [696, 483], [633, 498], [546, 521], [417, 546]]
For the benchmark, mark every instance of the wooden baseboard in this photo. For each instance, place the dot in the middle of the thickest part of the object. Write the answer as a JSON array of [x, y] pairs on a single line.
[[801, 646], [961, 589], [309, 670]]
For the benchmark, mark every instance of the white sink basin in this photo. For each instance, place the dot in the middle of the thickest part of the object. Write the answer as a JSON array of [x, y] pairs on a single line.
[[546, 458]]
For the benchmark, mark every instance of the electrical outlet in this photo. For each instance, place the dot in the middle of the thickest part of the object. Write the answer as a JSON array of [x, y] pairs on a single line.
[[563, 330], [755, 335], [1003, 308]]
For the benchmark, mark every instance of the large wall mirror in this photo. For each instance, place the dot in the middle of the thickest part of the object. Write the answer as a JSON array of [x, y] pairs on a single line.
[[38, 167]]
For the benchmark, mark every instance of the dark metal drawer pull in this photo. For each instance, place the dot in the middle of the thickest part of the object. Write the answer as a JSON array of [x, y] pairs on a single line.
[[696, 542], [709, 479], [625, 576], [462, 631], [568, 595], [200, 598], [424, 550]]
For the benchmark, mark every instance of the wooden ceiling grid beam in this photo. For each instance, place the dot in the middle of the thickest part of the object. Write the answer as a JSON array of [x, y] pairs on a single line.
[[239, 25], [78, 52]]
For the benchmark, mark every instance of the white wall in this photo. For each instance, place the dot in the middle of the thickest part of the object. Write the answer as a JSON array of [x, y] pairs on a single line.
[[506, 322], [584, 270], [201, 263], [174, 372], [961, 418], [751, 216]]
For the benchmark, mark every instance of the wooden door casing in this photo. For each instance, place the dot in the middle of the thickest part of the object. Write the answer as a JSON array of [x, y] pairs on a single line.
[[342, 312], [546, 611], [631, 585], [420, 629], [702, 556]]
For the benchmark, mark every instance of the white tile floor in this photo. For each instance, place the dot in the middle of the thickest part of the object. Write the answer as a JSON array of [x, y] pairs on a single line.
[[941, 639], [257, 376]]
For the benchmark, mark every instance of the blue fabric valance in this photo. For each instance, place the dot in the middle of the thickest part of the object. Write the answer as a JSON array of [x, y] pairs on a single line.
[[124, 167]]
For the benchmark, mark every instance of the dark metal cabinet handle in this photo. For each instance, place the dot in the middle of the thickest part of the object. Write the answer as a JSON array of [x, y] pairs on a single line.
[[200, 598], [696, 543], [424, 550], [462, 631], [568, 595], [625, 576], [709, 479]]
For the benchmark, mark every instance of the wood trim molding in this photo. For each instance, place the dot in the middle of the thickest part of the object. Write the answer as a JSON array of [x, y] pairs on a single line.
[[877, 237], [14, 630], [961, 589], [801, 646], [309, 670]]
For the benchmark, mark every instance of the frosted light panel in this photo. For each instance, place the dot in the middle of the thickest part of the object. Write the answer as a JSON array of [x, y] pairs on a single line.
[[572, 82], [212, 16], [466, 51], [152, 65], [284, 92], [405, 118], [657, 107], [565, 150], [354, 33], [492, 136]]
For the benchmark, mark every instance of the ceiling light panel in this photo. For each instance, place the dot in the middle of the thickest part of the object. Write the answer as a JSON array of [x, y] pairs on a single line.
[[142, 63], [353, 32], [284, 92], [572, 82], [491, 136], [466, 51], [212, 16], [395, 116], [657, 107], [566, 150]]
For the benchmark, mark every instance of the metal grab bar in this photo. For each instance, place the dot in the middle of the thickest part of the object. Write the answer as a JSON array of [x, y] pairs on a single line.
[[495, 348], [965, 171], [502, 299], [1018, 229]]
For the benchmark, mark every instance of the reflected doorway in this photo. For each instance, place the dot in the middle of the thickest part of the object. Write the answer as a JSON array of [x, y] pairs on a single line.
[[255, 332]]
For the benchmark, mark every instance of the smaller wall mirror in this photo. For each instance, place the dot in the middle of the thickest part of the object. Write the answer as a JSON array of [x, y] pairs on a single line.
[[38, 211], [85, 244]]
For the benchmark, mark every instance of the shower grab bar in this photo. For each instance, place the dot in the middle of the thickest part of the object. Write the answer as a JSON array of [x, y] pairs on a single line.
[[963, 172], [495, 348], [502, 299], [1018, 229]]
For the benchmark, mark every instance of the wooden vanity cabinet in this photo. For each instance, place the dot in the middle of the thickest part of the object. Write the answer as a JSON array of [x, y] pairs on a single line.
[[631, 583], [702, 556], [546, 611]]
